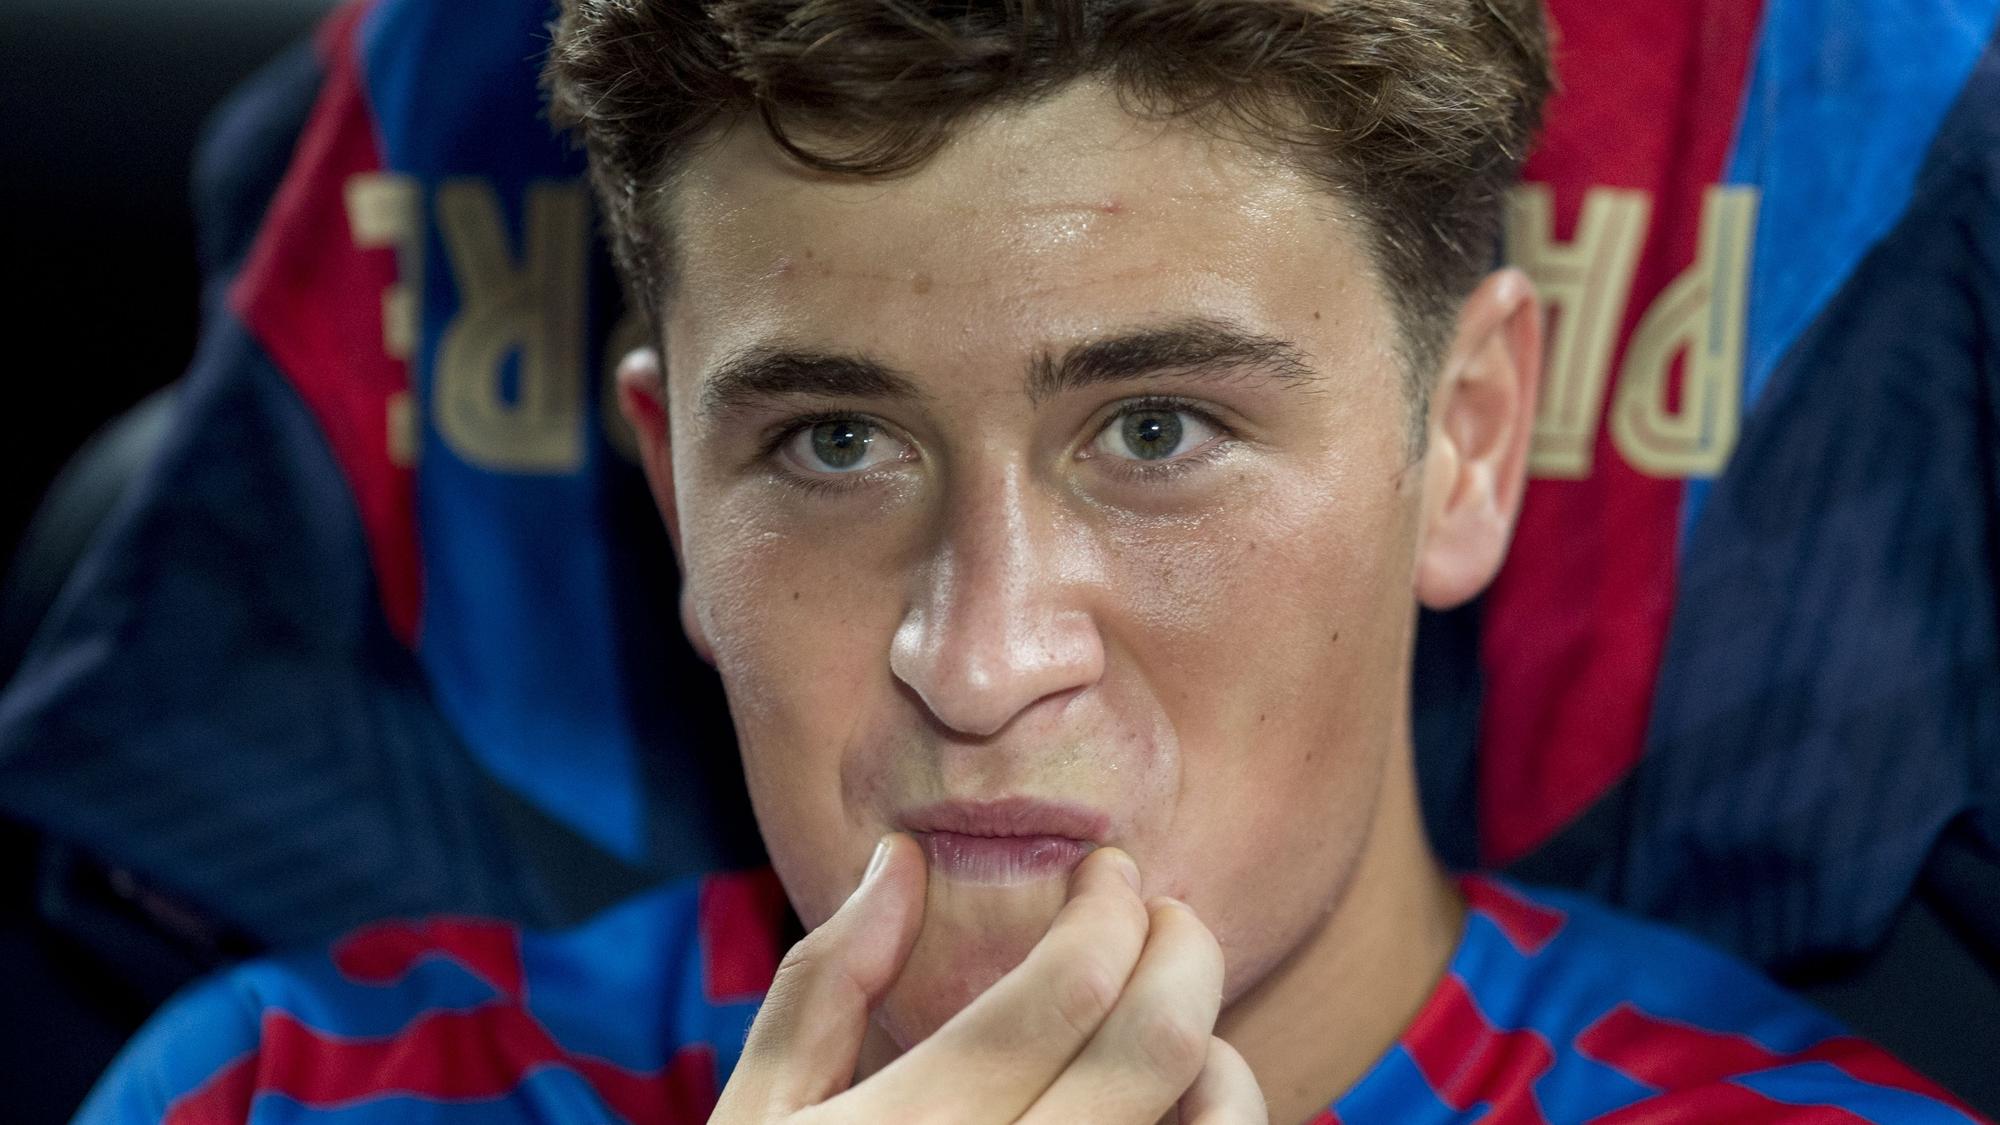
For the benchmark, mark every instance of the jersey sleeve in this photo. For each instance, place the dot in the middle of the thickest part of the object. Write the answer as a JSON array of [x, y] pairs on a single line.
[[635, 1015]]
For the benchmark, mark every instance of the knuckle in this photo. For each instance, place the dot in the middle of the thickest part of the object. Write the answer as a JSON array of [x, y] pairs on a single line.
[[1171, 1045], [1084, 995], [1208, 950], [1113, 930], [1112, 904], [785, 1003], [1133, 921], [801, 966]]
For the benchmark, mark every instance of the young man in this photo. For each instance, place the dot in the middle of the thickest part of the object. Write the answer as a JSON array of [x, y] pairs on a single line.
[[1060, 413]]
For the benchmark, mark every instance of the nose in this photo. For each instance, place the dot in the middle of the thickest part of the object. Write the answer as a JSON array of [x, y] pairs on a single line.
[[999, 620]]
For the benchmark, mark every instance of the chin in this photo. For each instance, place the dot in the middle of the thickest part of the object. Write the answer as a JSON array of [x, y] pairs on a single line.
[[922, 1002], [971, 937]]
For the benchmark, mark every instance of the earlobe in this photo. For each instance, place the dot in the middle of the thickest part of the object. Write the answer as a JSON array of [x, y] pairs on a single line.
[[1482, 421], [642, 398], [691, 626]]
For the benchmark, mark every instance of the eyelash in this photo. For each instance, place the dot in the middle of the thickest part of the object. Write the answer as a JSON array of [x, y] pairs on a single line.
[[784, 432], [777, 436], [1142, 471]]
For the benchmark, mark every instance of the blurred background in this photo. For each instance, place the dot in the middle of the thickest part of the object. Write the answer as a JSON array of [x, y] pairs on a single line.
[[298, 663], [104, 101]]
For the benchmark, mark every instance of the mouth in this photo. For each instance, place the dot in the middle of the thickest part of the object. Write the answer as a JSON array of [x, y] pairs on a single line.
[[1009, 841]]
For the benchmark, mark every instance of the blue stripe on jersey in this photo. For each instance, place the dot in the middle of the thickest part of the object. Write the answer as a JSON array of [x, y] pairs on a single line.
[[1395, 1090], [650, 947], [310, 987], [551, 1094], [194, 1037], [1818, 1083], [1612, 957]]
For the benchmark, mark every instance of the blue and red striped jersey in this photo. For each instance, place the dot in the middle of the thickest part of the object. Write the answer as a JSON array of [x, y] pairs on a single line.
[[1554, 1009]]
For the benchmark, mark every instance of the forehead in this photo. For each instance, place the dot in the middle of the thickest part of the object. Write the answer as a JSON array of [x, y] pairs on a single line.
[[1031, 228]]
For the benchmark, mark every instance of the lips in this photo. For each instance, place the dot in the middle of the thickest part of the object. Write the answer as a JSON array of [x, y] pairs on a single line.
[[1015, 840]]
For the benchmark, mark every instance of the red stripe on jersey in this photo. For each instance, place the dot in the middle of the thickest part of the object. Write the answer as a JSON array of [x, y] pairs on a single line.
[[741, 919], [314, 301], [385, 953], [1326, 1117], [222, 1100], [1670, 1055], [480, 1054], [1572, 631], [1529, 926], [1725, 1102], [1467, 1060]]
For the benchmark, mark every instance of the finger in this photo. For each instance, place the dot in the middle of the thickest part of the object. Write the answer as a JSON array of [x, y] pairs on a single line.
[[1004, 1048], [804, 1044], [1225, 1093], [1156, 1040]]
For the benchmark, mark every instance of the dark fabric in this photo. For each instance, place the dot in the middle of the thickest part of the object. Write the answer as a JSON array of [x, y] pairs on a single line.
[[1830, 697], [1445, 693], [281, 762], [244, 151]]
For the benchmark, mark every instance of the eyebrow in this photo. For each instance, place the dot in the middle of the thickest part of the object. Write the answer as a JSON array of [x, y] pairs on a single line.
[[764, 373], [1196, 348]]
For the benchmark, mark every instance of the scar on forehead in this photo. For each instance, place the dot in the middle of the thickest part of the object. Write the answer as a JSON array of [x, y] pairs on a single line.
[[1111, 205]]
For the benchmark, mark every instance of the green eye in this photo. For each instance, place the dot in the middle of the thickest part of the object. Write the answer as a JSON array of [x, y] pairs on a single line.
[[841, 444], [844, 447], [1156, 433], [1151, 435]]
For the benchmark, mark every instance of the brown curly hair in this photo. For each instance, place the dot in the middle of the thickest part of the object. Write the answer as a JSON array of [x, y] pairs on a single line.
[[1419, 112]]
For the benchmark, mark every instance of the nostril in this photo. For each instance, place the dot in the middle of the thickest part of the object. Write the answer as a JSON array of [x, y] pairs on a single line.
[[975, 678]]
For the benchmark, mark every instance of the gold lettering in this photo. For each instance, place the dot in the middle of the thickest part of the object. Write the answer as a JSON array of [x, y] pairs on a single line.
[[530, 309], [402, 429], [1699, 319], [385, 212], [1584, 284]]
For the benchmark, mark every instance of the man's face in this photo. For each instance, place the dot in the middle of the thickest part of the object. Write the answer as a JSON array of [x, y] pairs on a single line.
[[1055, 494]]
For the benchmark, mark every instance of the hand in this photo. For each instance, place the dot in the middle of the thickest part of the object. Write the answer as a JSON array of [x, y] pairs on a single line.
[[1110, 1019]]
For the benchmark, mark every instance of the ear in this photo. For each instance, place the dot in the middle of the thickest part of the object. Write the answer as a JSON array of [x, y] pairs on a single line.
[[1481, 421], [642, 398]]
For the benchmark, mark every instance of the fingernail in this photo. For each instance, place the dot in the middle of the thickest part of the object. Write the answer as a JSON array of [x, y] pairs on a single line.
[[877, 861]]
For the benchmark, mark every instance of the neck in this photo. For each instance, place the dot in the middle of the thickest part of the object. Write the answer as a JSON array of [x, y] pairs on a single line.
[[1314, 1026]]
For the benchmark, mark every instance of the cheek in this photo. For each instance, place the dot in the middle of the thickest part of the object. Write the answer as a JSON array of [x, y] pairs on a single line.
[[1277, 657], [1274, 618], [799, 649], [794, 613]]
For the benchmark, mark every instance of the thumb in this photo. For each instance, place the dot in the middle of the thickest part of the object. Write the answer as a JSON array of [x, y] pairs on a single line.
[[806, 1040], [1225, 1092]]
